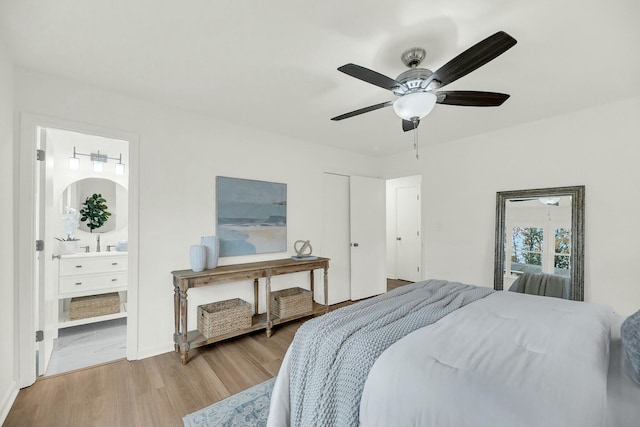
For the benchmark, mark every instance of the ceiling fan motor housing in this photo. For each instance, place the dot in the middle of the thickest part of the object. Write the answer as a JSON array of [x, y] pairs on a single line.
[[413, 57], [412, 81]]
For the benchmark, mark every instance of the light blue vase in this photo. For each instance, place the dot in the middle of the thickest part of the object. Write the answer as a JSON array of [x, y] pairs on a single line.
[[212, 243], [198, 257]]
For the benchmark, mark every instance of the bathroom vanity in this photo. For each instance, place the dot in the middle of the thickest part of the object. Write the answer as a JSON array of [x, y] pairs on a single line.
[[87, 274]]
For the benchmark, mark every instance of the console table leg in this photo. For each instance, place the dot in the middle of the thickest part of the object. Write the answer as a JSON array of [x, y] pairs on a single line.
[[176, 315], [268, 292], [184, 343], [326, 289], [255, 294]]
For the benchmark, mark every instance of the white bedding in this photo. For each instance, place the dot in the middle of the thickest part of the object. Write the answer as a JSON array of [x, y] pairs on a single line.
[[623, 389], [508, 359]]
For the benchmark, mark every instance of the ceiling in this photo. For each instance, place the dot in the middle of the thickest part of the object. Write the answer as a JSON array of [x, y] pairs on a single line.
[[272, 64]]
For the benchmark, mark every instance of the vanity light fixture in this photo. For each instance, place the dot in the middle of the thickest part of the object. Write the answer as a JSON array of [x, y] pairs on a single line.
[[97, 165], [98, 160], [74, 162], [120, 167]]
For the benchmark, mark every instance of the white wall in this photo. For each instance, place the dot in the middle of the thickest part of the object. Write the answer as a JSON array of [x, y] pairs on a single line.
[[8, 387], [597, 147], [181, 153]]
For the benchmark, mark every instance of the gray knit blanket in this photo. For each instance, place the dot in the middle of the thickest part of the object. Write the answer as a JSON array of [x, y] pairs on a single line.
[[332, 355]]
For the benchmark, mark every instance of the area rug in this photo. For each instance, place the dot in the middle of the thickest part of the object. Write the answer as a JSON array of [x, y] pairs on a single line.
[[249, 408]]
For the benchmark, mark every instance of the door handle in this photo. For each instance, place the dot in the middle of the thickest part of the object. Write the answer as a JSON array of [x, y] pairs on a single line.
[[355, 244], [398, 238]]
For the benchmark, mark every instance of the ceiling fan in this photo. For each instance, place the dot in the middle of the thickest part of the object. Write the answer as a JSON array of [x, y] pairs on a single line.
[[416, 87], [549, 201]]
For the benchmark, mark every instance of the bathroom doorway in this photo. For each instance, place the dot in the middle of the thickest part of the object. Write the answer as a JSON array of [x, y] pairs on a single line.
[[82, 273], [34, 337]]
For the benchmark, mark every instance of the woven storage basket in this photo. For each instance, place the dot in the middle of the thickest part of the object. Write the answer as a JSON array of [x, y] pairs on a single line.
[[222, 317], [94, 305], [291, 302]]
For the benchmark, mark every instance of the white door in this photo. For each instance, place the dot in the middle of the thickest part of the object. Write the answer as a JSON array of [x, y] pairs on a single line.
[[408, 246], [335, 237], [45, 291], [368, 233]]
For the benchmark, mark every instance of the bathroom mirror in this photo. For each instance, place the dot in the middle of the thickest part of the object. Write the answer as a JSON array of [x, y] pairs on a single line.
[[114, 194], [540, 231]]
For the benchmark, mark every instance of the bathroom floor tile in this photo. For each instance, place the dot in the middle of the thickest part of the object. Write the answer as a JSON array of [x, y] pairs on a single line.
[[87, 345]]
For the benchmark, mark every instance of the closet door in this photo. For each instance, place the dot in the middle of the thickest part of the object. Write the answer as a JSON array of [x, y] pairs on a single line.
[[368, 236], [335, 238]]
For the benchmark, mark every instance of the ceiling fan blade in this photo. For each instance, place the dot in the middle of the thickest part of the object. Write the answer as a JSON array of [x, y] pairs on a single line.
[[471, 98], [370, 76], [473, 58], [362, 111], [407, 125]]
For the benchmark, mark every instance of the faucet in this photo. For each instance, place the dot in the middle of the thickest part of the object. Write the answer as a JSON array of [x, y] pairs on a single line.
[[86, 248], [98, 243], [109, 247]]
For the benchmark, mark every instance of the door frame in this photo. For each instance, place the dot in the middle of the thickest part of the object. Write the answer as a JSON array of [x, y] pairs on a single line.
[[25, 215], [391, 259]]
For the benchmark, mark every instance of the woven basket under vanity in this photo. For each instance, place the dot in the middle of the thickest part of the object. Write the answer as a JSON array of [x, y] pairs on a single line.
[[94, 305], [221, 317], [291, 302]]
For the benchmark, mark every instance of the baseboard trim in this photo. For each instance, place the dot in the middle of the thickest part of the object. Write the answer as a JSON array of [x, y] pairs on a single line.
[[8, 397], [154, 351]]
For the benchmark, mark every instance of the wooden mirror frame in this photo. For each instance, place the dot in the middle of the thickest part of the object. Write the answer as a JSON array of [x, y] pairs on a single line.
[[577, 233]]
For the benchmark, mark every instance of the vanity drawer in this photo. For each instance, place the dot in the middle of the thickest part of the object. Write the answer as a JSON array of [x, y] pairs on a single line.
[[75, 266], [94, 282]]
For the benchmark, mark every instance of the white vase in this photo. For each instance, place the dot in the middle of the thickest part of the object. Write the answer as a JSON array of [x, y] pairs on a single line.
[[68, 247], [198, 257], [212, 243]]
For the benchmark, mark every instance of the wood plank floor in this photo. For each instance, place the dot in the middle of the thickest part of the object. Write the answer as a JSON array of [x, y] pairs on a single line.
[[157, 391]]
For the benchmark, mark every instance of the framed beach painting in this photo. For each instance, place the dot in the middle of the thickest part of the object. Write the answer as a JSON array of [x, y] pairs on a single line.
[[251, 216]]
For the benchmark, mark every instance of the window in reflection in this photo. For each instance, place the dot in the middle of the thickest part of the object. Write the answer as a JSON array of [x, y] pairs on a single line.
[[526, 250], [562, 256], [537, 237]]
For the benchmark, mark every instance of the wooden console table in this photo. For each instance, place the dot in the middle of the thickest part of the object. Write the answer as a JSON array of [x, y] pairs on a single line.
[[184, 339]]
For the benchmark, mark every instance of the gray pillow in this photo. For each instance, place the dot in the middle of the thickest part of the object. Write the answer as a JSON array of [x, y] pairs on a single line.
[[630, 333]]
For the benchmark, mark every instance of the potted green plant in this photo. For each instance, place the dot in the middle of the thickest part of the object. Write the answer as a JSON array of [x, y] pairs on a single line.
[[94, 212]]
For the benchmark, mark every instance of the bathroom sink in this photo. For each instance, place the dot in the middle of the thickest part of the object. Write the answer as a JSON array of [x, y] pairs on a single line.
[[93, 254]]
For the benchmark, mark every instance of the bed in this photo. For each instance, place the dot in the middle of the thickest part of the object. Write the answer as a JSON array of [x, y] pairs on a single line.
[[479, 358]]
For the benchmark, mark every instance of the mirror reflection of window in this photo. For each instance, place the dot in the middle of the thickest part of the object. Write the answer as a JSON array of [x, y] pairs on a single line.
[[562, 256], [537, 237], [526, 250]]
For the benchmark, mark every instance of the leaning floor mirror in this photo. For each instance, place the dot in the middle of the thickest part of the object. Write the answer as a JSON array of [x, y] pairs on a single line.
[[541, 231]]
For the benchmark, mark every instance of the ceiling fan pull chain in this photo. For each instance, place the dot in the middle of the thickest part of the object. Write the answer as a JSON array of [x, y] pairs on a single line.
[[415, 139]]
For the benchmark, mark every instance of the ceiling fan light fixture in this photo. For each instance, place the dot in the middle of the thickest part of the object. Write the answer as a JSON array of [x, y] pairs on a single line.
[[549, 201], [414, 105]]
